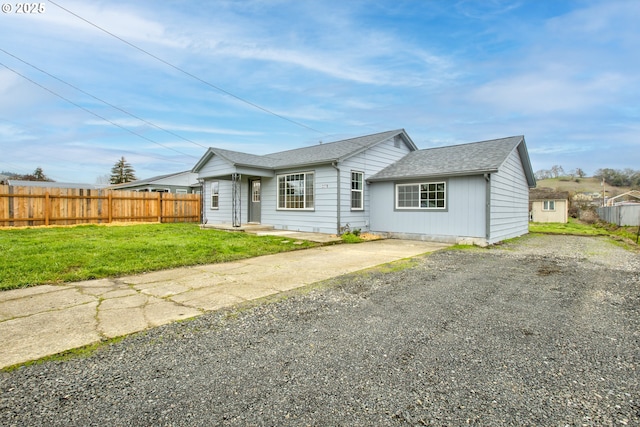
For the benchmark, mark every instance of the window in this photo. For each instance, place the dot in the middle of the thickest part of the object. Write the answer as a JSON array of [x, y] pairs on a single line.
[[357, 193], [429, 195], [295, 191], [255, 191], [215, 195], [181, 191], [549, 205]]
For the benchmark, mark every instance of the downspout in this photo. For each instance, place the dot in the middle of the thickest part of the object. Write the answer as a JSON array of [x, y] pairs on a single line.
[[203, 215], [335, 165], [487, 179]]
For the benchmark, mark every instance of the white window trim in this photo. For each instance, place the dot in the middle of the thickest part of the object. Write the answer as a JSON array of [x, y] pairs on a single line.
[[419, 184], [304, 198], [549, 203], [361, 191], [217, 194]]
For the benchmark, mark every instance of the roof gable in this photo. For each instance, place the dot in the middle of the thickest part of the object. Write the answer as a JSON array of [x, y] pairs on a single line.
[[315, 154], [338, 150], [465, 159]]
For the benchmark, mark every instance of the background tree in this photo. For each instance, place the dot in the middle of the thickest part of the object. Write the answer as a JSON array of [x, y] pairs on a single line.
[[122, 172], [543, 174], [39, 174], [619, 178], [103, 179], [557, 171]]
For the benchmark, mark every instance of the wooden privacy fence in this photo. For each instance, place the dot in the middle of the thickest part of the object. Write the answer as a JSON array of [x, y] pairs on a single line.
[[31, 206]]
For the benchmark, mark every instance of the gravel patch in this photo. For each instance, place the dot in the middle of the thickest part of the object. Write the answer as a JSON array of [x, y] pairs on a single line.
[[541, 331]]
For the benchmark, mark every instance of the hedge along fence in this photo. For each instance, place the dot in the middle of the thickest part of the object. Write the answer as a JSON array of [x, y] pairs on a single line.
[[32, 206]]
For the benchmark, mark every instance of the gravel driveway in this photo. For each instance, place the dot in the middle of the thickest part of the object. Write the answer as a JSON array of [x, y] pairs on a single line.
[[544, 331]]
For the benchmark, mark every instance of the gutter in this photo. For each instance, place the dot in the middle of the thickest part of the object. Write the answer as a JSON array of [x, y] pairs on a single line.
[[487, 179]]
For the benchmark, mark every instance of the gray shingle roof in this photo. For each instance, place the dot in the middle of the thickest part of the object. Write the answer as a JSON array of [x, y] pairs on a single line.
[[339, 150], [315, 154], [547, 194], [464, 159]]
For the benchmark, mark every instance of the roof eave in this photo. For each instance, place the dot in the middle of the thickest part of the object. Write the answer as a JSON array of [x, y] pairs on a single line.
[[435, 175]]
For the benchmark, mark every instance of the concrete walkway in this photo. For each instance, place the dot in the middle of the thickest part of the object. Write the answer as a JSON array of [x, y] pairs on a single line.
[[45, 320]]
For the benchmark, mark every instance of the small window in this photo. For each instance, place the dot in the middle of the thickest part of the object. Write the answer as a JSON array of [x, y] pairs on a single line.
[[357, 193], [181, 191], [215, 195], [255, 191], [549, 205], [428, 195]]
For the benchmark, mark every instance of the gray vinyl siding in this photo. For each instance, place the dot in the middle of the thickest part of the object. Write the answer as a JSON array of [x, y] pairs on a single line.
[[369, 162], [222, 215], [509, 200], [216, 167], [465, 216], [322, 219]]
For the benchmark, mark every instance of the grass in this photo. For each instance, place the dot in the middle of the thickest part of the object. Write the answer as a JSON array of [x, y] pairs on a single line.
[[627, 235], [573, 227], [34, 256]]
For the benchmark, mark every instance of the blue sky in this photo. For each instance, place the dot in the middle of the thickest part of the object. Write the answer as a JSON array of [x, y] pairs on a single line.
[[562, 73]]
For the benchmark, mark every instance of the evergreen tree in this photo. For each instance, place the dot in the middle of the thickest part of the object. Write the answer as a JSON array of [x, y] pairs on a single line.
[[122, 172], [39, 174]]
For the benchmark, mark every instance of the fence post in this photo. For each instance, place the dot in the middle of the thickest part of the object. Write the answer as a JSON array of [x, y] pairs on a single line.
[[159, 207], [47, 208], [109, 200]]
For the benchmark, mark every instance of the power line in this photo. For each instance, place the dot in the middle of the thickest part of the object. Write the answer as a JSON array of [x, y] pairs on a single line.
[[175, 67], [101, 100], [97, 115]]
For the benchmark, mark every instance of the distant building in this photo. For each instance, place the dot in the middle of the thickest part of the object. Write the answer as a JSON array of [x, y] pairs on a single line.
[[54, 184], [548, 205], [180, 183]]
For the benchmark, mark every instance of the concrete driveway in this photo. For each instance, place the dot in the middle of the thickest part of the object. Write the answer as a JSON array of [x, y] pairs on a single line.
[[45, 320]]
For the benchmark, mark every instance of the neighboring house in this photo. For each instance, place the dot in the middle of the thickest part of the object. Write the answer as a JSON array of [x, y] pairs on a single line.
[[381, 183], [54, 184], [182, 183], [630, 197], [547, 205]]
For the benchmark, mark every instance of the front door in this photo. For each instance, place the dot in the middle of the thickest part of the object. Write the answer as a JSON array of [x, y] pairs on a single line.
[[254, 200]]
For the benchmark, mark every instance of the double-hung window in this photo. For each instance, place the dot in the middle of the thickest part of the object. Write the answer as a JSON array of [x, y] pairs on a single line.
[[426, 195], [357, 192], [215, 195], [549, 205], [296, 190]]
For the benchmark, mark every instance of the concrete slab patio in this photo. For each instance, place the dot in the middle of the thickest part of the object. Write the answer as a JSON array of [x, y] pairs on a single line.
[[44, 320]]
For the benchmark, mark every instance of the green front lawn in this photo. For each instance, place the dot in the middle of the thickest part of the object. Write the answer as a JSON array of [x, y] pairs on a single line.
[[34, 256]]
